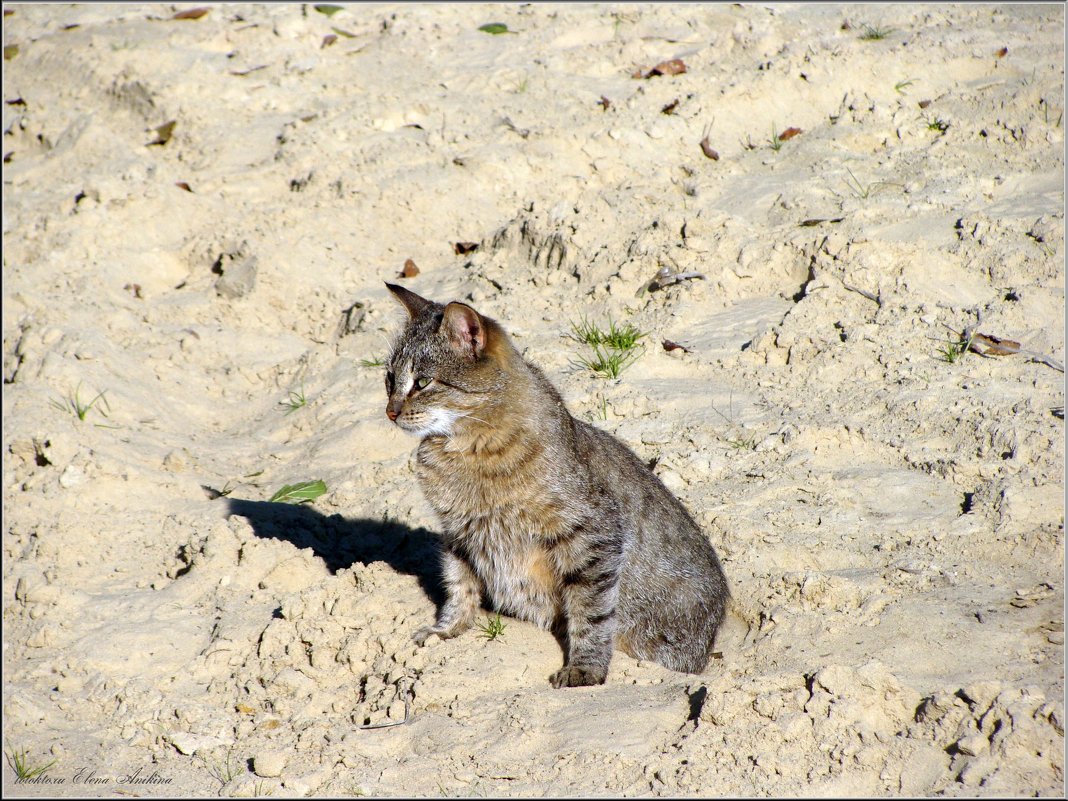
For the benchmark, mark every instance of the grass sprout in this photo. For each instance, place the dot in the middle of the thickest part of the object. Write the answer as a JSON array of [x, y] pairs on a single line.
[[864, 191], [23, 769], [493, 627], [618, 337], [374, 361], [609, 363], [901, 86], [937, 124], [295, 401], [873, 33], [953, 351], [775, 143], [80, 408]]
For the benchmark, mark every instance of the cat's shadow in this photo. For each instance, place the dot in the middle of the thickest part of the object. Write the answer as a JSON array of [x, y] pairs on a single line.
[[343, 541]]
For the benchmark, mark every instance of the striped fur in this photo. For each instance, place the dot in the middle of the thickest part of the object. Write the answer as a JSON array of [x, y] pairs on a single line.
[[548, 518]]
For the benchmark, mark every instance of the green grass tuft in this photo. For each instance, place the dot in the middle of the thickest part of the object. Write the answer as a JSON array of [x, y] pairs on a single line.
[[80, 408], [23, 769], [296, 400], [875, 33], [493, 627]]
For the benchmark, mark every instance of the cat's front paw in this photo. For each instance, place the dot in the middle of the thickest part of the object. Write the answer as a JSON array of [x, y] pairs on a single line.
[[578, 676], [423, 634]]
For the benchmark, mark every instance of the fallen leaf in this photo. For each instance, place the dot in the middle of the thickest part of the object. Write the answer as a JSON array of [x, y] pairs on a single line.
[[1002, 52], [810, 223], [410, 270], [328, 10], [789, 133], [673, 67], [346, 34], [463, 248], [183, 185], [18, 101], [191, 13], [8, 12], [10, 51], [605, 103], [995, 346], [670, 346], [8, 155], [495, 28], [708, 151], [135, 289], [924, 103], [164, 133], [299, 493], [328, 40], [670, 107]]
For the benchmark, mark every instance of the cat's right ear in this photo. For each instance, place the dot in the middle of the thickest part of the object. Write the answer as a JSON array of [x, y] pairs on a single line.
[[411, 301]]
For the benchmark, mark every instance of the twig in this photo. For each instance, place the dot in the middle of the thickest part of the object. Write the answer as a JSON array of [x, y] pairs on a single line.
[[407, 711], [869, 295]]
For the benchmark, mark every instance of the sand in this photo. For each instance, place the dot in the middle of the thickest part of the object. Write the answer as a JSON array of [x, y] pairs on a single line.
[[892, 523]]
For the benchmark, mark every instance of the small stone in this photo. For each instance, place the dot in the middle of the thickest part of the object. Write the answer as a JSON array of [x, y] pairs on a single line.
[[72, 476], [269, 764]]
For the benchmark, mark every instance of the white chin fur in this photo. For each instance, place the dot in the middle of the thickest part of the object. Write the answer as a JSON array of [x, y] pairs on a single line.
[[435, 422]]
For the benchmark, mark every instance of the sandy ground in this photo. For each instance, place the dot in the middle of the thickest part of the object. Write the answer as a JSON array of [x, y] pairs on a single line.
[[892, 523]]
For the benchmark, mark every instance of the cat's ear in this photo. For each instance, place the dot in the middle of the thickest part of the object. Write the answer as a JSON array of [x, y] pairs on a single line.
[[464, 329], [411, 301]]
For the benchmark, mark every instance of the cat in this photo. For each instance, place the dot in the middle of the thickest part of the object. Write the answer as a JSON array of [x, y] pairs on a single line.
[[551, 519]]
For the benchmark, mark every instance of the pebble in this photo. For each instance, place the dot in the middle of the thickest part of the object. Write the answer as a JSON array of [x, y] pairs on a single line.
[[269, 764]]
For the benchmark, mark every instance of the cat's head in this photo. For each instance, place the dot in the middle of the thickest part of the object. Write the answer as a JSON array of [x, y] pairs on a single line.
[[446, 367]]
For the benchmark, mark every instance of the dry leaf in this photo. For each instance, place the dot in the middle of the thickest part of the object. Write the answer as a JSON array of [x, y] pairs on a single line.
[[605, 102], [670, 107], [18, 101], [328, 40], [789, 133], [708, 151], [192, 13], [410, 270], [924, 103], [10, 51], [1002, 52], [183, 185], [463, 248], [670, 346], [811, 223], [673, 67], [995, 346], [164, 133]]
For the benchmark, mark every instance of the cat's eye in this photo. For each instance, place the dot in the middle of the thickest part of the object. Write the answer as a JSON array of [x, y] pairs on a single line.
[[422, 382]]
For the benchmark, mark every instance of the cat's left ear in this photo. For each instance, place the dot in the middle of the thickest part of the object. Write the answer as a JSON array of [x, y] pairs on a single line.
[[464, 329], [411, 301]]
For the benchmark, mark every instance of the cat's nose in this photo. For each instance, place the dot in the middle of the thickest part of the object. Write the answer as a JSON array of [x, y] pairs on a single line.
[[392, 414]]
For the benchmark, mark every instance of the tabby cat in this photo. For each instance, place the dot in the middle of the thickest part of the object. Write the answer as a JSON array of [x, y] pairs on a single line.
[[552, 520]]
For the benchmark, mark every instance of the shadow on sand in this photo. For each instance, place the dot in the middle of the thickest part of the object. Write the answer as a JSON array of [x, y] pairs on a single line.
[[341, 542]]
